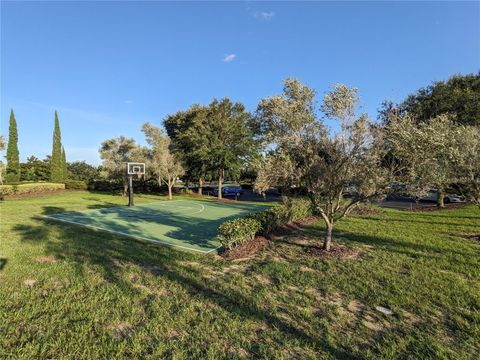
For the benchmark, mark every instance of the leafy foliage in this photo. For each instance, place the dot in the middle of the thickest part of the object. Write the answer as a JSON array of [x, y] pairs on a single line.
[[164, 165], [234, 232], [80, 170], [430, 153], [306, 156], [35, 169], [115, 153], [2, 166], [458, 96], [13, 162], [76, 184]]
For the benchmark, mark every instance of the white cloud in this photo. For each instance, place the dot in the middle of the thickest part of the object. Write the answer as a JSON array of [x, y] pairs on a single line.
[[265, 15], [229, 58], [128, 102]]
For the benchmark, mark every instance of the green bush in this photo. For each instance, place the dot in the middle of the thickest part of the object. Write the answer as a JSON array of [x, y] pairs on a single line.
[[237, 231], [76, 184], [30, 188], [299, 208]]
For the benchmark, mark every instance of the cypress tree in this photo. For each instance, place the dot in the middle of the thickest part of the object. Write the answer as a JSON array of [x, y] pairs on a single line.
[[13, 162], [56, 173], [64, 165]]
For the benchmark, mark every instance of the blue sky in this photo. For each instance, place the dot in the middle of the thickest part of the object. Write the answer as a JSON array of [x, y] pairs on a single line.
[[108, 67]]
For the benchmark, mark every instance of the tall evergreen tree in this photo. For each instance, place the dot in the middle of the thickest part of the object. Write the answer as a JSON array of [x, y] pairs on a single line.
[[13, 162], [56, 173], [64, 164]]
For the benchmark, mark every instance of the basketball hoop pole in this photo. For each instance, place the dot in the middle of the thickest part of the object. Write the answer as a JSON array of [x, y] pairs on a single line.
[[130, 190]]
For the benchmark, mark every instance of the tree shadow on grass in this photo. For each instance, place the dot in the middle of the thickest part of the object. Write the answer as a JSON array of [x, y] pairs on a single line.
[[87, 249]]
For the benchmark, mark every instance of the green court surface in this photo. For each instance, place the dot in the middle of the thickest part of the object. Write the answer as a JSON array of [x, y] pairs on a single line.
[[183, 224]]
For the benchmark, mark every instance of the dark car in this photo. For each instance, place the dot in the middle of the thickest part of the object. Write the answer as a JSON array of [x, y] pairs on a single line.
[[229, 191]]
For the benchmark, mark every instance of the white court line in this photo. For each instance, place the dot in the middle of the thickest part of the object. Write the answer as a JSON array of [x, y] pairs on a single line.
[[130, 235]]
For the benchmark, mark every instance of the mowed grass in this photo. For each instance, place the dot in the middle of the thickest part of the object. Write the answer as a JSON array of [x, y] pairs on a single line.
[[70, 292]]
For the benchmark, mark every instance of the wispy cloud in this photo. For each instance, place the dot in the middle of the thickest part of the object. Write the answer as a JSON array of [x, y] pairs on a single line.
[[128, 102], [264, 15], [229, 58]]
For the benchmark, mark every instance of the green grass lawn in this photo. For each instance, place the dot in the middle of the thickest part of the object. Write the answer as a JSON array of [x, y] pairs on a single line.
[[72, 292]]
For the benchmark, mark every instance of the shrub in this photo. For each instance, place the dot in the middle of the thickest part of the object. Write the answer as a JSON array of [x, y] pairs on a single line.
[[76, 184], [299, 208], [237, 231], [30, 188]]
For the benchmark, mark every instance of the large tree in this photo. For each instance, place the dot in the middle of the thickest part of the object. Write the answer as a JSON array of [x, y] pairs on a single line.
[[13, 162], [35, 169], [469, 167], [115, 153], [161, 162], [183, 145], [57, 169], [431, 153], [225, 139], [80, 170], [458, 96], [327, 165]]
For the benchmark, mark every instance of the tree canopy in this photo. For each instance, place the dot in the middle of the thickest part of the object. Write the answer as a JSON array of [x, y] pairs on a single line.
[[326, 165], [161, 162], [458, 96]]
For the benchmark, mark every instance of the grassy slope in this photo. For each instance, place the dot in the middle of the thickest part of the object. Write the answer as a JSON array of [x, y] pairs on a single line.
[[69, 292]]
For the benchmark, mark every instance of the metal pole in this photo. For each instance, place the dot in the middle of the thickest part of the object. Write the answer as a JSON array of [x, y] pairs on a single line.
[[130, 190]]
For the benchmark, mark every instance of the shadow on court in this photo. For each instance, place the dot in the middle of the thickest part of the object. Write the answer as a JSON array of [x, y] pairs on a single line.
[[182, 224]]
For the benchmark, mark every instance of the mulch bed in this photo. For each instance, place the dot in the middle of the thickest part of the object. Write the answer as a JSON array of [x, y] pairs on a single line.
[[365, 210], [247, 249], [336, 252], [435, 208]]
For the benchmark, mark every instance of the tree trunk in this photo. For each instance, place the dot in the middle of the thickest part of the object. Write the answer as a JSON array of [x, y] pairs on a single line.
[[220, 179], [441, 199], [200, 185], [125, 188], [170, 185], [328, 237]]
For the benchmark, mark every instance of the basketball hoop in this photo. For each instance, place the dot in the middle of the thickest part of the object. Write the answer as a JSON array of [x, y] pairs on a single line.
[[133, 169]]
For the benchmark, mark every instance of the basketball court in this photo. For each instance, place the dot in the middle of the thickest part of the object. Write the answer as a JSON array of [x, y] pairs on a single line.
[[182, 224]]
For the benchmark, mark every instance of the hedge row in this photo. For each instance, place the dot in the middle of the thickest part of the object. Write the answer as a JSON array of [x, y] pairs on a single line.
[[76, 184], [234, 232], [30, 188]]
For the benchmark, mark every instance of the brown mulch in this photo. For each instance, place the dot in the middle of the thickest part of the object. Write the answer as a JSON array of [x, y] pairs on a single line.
[[435, 208], [365, 210], [291, 227], [247, 249], [336, 252]]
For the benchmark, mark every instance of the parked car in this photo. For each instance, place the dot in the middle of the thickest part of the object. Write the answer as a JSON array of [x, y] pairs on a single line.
[[229, 190], [432, 195]]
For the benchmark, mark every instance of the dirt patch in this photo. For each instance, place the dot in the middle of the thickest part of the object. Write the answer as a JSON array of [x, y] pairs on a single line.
[[435, 208], [355, 306], [472, 237], [366, 210], [45, 259], [247, 249], [337, 252], [30, 283], [306, 269], [370, 323], [122, 331]]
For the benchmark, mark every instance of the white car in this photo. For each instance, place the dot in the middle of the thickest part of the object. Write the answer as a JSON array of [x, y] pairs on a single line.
[[432, 195]]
